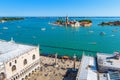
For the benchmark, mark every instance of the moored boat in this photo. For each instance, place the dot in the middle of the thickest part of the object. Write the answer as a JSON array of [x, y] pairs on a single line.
[[102, 33], [43, 29]]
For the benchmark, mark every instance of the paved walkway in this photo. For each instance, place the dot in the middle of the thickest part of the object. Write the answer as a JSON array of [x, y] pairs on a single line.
[[48, 70]]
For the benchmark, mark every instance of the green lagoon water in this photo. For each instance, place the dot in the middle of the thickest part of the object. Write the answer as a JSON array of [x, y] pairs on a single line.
[[29, 31]]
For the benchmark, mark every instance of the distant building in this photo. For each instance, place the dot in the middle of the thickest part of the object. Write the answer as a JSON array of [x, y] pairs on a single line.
[[113, 75], [74, 24], [85, 24], [2, 21], [105, 67], [70, 23], [109, 66], [110, 75], [67, 21], [87, 69], [17, 61], [107, 62]]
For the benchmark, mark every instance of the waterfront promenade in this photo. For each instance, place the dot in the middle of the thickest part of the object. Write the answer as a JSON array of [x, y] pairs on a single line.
[[48, 70]]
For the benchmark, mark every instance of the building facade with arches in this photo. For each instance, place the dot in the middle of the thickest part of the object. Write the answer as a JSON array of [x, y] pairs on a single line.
[[18, 61]]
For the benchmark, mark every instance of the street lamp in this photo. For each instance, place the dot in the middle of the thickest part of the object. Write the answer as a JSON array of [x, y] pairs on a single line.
[[74, 57], [56, 60]]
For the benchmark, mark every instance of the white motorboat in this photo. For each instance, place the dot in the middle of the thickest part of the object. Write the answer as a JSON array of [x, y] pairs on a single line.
[[43, 29]]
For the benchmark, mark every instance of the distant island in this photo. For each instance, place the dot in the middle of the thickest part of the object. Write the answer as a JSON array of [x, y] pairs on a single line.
[[5, 19], [114, 23], [74, 23]]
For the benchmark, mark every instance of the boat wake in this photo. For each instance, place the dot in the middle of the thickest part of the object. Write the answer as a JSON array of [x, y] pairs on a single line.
[[112, 35], [92, 43], [91, 31], [5, 28]]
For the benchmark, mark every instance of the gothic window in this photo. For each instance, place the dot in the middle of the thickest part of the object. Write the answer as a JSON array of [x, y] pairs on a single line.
[[33, 57], [15, 61], [13, 68], [25, 61], [2, 76], [10, 64]]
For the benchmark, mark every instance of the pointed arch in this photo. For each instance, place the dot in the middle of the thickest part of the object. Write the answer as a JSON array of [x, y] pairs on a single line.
[[33, 57], [13, 68], [25, 61]]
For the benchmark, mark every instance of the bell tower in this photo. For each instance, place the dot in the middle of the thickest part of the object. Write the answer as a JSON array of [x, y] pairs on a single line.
[[67, 20]]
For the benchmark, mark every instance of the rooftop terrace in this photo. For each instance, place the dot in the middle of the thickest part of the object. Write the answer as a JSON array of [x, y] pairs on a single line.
[[87, 69], [10, 49], [108, 60]]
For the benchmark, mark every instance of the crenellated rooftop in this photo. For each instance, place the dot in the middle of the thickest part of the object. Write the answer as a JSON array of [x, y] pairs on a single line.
[[10, 49]]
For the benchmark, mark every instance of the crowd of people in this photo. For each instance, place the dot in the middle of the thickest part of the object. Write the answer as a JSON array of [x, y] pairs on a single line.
[[55, 69]]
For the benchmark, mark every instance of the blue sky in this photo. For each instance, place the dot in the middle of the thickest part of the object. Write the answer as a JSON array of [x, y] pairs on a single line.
[[59, 7]]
